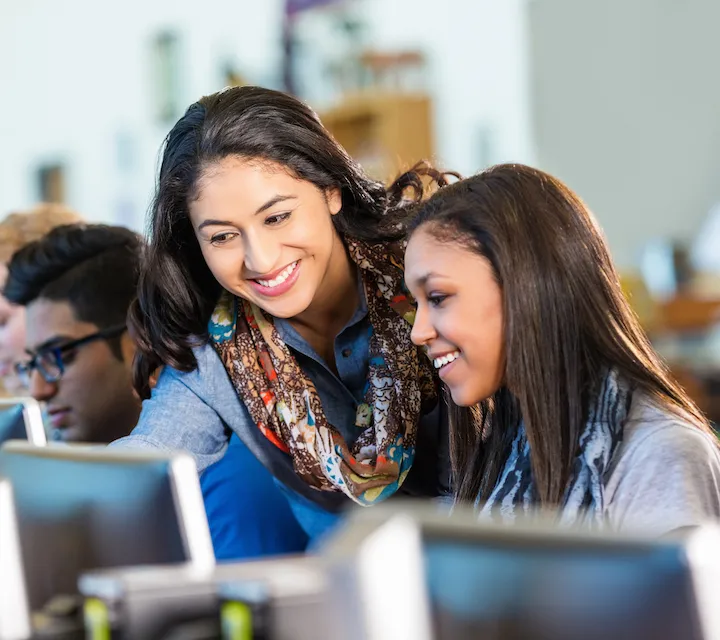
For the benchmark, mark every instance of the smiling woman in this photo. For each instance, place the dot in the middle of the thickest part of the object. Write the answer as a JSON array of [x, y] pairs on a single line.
[[464, 333], [275, 244], [558, 399], [273, 292]]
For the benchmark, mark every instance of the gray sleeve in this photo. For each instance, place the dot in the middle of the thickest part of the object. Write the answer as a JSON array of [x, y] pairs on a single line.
[[667, 480], [176, 418]]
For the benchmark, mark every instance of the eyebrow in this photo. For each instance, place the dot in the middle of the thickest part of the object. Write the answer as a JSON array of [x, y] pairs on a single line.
[[214, 223], [273, 201], [270, 203], [422, 280], [55, 341]]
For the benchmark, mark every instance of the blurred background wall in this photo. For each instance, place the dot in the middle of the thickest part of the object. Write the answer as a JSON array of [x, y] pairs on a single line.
[[81, 82], [626, 110], [81, 86], [618, 98]]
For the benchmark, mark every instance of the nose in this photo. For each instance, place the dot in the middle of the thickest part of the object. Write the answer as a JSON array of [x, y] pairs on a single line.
[[261, 254], [422, 331], [41, 389]]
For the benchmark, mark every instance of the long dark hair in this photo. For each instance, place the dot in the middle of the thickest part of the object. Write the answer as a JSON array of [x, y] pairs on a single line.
[[177, 291], [566, 322]]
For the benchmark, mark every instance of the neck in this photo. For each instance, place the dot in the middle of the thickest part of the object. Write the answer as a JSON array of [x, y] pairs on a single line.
[[335, 301]]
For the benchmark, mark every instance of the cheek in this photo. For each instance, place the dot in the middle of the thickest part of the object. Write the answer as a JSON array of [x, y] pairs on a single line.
[[224, 264], [91, 366], [484, 355], [486, 345], [315, 238], [489, 364]]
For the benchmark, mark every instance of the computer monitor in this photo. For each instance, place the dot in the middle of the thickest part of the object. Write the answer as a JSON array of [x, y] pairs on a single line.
[[21, 419], [14, 611], [532, 581], [83, 508]]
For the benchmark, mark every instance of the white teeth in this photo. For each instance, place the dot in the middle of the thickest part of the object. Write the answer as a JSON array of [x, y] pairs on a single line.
[[446, 359], [280, 278]]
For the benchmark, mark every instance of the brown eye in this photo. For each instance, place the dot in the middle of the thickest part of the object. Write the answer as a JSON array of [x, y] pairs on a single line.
[[222, 238], [69, 356], [277, 219]]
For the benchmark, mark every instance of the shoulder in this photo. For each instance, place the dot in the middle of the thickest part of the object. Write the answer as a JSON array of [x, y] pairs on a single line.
[[665, 474], [181, 398], [190, 410], [205, 389], [202, 380], [663, 435]]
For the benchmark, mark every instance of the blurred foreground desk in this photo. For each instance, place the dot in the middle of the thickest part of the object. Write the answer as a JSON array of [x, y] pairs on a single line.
[[179, 601]]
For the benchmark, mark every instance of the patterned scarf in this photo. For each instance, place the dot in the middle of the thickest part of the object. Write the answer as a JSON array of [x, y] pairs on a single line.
[[286, 407], [583, 503]]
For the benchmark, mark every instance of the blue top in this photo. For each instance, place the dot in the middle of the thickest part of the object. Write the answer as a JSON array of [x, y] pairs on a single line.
[[230, 500], [197, 411]]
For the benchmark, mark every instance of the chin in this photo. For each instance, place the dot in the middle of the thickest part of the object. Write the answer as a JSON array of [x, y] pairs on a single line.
[[464, 397], [283, 311], [458, 396], [68, 435], [288, 306]]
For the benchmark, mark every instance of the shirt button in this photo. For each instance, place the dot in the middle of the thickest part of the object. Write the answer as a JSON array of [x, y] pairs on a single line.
[[346, 353]]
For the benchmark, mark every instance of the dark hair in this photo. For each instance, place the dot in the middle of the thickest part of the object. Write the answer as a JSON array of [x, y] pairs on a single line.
[[93, 267], [177, 291], [566, 322]]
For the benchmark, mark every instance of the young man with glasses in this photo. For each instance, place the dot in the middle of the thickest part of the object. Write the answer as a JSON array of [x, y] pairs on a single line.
[[77, 283]]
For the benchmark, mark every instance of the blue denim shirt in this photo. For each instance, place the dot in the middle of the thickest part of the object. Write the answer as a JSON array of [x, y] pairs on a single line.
[[197, 412]]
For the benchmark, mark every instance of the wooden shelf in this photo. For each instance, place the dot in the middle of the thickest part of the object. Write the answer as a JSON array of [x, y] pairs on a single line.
[[384, 132]]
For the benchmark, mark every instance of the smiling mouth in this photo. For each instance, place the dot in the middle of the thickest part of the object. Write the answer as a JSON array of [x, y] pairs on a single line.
[[280, 278], [440, 362]]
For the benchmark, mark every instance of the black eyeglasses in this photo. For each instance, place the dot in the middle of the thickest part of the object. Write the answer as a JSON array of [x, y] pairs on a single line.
[[51, 361]]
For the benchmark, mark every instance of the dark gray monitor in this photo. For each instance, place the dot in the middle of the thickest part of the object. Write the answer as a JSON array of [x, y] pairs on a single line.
[[21, 419], [532, 581], [82, 507]]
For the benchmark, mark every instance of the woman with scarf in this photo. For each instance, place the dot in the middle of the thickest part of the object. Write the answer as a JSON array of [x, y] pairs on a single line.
[[558, 399], [272, 292]]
